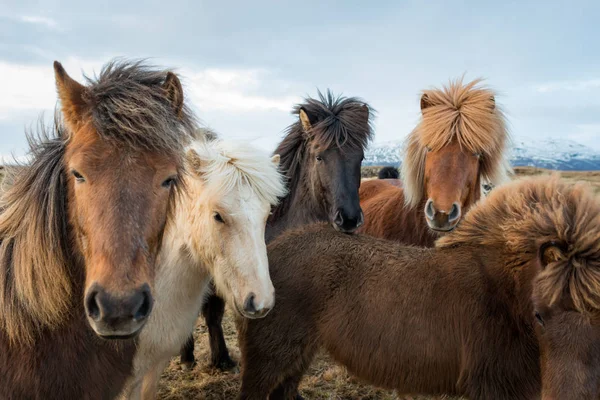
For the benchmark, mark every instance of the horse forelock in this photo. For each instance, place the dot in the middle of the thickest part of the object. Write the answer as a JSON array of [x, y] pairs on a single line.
[[129, 105], [227, 165]]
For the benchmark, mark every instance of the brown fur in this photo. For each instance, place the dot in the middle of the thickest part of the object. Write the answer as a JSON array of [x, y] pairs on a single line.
[[456, 319], [460, 140], [123, 132]]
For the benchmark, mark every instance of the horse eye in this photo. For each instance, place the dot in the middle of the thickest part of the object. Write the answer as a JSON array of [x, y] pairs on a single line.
[[428, 148], [539, 318], [319, 158], [477, 155], [170, 181], [218, 218], [78, 177]]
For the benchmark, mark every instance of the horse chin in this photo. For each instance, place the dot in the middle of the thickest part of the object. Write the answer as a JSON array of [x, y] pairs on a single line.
[[117, 334], [441, 231], [242, 314]]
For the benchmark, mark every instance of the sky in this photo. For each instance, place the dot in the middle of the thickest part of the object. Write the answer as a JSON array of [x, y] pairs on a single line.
[[244, 64]]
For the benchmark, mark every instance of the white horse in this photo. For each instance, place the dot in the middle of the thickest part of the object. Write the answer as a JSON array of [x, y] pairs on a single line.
[[217, 232]]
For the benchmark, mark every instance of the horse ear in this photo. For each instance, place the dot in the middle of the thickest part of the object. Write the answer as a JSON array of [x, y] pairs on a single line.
[[195, 162], [276, 159], [493, 102], [306, 125], [174, 91], [72, 97], [551, 252], [425, 101], [366, 112]]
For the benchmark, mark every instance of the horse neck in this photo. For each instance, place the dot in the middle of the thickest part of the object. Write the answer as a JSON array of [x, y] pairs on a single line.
[[498, 286], [299, 207], [180, 257]]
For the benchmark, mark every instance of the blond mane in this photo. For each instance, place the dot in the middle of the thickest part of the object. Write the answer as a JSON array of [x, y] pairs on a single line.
[[225, 165], [464, 112], [36, 285], [521, 216]]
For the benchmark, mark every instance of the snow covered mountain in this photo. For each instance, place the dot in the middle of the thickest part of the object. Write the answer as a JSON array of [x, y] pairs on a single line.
[[559, 154]]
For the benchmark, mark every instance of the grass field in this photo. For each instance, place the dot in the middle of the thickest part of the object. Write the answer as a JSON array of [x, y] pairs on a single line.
[[325, 380]]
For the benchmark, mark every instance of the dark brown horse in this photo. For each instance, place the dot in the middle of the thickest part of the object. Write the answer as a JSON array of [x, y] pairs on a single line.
[[80, 227], [506, 304], [388, 173], [321, 156], [459, 143]]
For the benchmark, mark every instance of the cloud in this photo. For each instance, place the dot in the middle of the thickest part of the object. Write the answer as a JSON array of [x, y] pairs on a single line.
[[236, 90], [28, 88], [31, 87], [38, 20], [569, 86]]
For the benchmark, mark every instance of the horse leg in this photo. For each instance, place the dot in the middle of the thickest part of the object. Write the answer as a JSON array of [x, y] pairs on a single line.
[[259, 379], [186, 355], [213, 311], [151, 379], [288, 389]]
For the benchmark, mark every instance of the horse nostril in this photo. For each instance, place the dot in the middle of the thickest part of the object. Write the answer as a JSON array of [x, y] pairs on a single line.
[[339, 219], [142, 310], [361, 219], [454, 212], [429, 210], [91, 305], [249, 306]]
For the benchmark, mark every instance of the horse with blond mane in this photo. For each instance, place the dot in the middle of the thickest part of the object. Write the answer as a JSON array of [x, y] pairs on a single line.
[[321, 156], [80, 230], [217, 233], [504, 307], [459, 143]]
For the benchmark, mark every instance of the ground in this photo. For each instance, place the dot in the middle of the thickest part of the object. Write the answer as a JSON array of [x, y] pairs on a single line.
[[325, 380]]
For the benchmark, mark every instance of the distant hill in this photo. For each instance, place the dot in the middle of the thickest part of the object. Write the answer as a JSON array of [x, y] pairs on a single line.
[[558, 154]]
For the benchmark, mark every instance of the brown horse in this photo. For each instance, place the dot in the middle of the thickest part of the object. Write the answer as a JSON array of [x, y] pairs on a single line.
[[321, 156], [519, 278], [459, 142], [80, 227]]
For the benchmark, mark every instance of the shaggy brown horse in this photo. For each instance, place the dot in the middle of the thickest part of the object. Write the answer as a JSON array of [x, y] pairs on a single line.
[[80, 227], [321, 156], [506, 304], [459, 142]]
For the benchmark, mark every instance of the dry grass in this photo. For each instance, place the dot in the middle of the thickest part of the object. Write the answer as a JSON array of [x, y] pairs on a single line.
[[325, 380]]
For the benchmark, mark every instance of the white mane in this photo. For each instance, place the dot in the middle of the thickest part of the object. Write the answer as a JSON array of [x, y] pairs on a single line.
[[227, 164]]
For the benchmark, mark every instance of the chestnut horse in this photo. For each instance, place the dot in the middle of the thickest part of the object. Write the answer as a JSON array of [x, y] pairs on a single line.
[[504, 307], [217, 232], [321, 156], [80, 228], [460, 142]]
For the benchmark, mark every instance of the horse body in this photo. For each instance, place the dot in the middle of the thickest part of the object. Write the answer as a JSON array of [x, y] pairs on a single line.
[[80, 228], [217, 233], [465, 318], [321, 156]]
